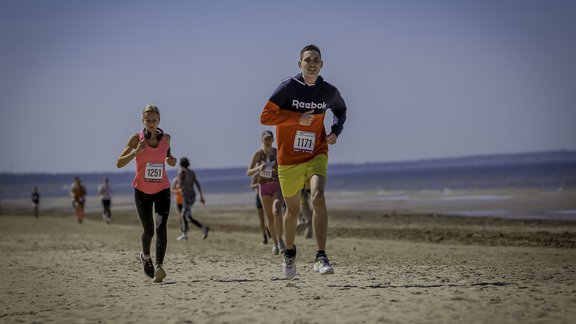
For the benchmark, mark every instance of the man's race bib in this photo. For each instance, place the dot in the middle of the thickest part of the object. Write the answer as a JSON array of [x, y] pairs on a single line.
[[153, 172], [304, 141]]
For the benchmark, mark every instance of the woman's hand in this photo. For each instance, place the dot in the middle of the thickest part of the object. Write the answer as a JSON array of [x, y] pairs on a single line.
[[171, 160], [141, 146]]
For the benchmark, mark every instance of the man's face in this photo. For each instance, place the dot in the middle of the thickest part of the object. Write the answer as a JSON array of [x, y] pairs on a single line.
[[310, 64]]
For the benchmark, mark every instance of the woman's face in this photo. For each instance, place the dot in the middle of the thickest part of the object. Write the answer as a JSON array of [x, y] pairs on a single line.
[[268, 140], [151, 120]]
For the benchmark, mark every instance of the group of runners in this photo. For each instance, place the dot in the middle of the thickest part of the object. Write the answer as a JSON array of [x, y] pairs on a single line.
[[78, 192], [297, 168]]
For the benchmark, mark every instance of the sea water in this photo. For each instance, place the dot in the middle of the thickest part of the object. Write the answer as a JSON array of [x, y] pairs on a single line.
[[386, 182]]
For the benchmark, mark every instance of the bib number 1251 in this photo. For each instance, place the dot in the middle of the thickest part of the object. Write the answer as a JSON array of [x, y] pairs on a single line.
[[153, 172]]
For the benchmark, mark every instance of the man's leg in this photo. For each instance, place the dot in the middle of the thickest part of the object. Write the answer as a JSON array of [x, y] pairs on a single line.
[[306, 215], [291, 218], [291, 180], [320, 221], [320, 212]]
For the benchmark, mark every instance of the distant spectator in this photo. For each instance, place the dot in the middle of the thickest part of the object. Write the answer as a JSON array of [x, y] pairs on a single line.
[[35, 200], [105, 192]]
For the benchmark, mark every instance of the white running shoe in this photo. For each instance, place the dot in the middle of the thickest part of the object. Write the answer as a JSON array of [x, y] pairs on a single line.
[[289, 267], [160, 274], [182, 237], [323, 266], [275, 249], [282, 246]]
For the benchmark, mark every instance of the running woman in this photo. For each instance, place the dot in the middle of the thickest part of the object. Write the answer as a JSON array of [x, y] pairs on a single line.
[[260, 209], [186, 181], [151, 149], [297, 109], [264, 163]]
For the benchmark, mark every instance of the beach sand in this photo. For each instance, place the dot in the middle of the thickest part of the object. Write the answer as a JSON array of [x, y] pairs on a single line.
[[389, 268]]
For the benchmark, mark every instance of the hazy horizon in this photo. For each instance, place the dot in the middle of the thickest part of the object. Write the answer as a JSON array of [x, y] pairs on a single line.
[[448, 160]]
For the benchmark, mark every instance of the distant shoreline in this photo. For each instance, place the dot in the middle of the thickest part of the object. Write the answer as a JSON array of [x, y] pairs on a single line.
[[502, 203], [475, 159]]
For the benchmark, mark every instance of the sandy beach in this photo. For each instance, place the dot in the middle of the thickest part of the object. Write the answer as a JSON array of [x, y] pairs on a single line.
[[390, 268]]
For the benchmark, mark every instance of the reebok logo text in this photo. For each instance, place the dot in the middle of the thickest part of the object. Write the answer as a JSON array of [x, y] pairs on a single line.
[[308, 105]]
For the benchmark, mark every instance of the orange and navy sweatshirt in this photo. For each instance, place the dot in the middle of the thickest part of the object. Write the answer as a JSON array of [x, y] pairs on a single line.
[[289, 101]]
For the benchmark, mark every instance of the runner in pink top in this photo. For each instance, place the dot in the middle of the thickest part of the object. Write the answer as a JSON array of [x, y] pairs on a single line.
[[150, 175], [151, 148]]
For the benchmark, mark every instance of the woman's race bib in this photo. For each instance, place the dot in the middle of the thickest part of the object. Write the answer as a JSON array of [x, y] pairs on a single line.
[[266, 173], [153, 172]]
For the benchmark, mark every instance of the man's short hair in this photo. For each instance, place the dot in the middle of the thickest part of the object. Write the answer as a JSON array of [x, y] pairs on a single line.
[[310, 47]]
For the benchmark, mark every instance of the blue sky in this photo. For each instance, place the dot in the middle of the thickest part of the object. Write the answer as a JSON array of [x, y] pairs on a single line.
[[422, 79]]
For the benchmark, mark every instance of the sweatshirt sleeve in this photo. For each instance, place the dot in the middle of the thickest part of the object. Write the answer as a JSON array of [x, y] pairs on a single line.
[[339, 112], [272, 115]]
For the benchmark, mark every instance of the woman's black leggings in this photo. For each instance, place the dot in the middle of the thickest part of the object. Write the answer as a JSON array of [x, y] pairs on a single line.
[[161, 203]]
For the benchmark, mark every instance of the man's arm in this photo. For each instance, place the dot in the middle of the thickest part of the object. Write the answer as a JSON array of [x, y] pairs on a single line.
[[272, 115], [339, 110]]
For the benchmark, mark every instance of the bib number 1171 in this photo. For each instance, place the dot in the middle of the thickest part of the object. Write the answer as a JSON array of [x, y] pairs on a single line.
[[304, 141]]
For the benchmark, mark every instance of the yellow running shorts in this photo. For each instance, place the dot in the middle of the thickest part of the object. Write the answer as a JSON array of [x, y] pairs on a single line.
[[293, 177]]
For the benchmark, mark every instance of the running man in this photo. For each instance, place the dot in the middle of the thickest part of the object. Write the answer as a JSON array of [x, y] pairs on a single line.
[[297, 109], [186, 181]]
